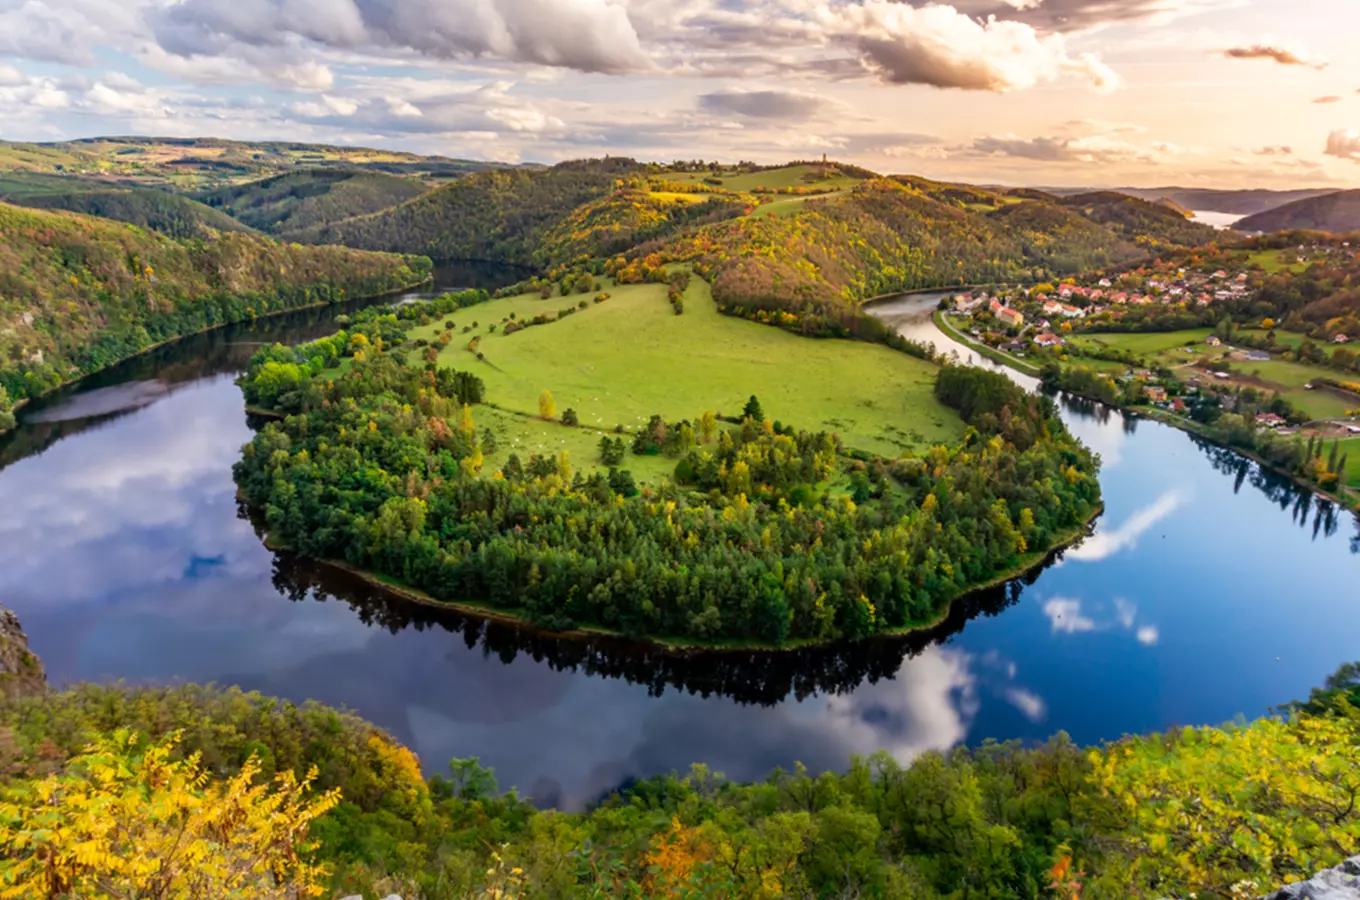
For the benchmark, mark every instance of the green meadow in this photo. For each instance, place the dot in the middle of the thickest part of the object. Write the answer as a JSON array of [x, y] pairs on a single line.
[[773, 179], [1288, 378], [619, 362]]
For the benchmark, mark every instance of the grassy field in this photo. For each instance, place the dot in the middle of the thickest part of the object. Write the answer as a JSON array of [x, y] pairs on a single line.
[[1289, 378], [773, 179], [618, 362], [1351, 447], [1164, 346], [1277, 261]]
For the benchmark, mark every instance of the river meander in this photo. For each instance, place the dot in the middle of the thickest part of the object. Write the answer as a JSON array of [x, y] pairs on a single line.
[[1209, 590]]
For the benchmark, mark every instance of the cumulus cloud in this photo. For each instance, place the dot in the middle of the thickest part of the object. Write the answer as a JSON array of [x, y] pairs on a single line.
[[765, 104], [1285, 56], [1148, 635], [1344, 145], [942, 47], [587, 35]]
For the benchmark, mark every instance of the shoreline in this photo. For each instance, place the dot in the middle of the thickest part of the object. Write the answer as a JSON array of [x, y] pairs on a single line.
[[1065, 540], [1344, 496], [19, 404], [995, 355]]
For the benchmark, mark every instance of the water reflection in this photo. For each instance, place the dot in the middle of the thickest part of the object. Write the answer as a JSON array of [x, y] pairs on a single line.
[[748, 677], [123, 552]]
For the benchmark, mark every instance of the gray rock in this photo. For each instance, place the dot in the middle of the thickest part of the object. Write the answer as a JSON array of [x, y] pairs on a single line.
[[21, 671], [1341, 883]]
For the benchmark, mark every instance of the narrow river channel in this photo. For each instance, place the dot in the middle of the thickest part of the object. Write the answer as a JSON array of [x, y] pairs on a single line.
[[1209, 590]]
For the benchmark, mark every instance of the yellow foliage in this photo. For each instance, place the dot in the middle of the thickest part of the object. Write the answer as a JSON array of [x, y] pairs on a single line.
[[124, 822], [1208, 810]]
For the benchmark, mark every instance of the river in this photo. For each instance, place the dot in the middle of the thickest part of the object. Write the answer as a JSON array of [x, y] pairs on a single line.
[[1209, 590]]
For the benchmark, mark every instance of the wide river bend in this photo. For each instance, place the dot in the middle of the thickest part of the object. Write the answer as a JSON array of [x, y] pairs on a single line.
[[1209, 590]]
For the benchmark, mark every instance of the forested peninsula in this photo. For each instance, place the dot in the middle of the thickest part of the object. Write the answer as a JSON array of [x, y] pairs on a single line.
[[761, 535], [78, 293]]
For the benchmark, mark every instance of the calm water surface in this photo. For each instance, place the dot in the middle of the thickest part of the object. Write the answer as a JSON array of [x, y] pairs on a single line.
[[1209, 590]]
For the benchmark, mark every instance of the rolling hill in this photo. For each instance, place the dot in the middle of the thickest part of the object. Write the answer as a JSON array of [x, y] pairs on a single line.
[[1144, 222], [1241, 202], [199, 163], [312, 198], [171, 214], [496, 215], [1338, 212]]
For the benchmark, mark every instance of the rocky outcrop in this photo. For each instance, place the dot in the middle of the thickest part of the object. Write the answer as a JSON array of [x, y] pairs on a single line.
[[1341, 883], [21, 671]]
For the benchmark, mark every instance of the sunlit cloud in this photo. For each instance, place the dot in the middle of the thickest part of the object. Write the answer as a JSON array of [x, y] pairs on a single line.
[[1148, 635], [1285, 56]]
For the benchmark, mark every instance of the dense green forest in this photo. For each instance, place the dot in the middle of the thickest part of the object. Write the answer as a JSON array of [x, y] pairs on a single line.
[[499, 215], [1196, 812], [78, 293], [171, 214], [378, 466], [311, 197]]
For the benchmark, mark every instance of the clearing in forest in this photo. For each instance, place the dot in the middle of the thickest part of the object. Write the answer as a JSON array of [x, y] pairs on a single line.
[[623, 360]]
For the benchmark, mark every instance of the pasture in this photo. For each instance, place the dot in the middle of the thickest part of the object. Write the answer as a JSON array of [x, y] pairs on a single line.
[[621, 361]]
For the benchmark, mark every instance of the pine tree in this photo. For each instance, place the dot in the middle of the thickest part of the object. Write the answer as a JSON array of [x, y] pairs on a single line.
[[753, 411], [1331, 458]]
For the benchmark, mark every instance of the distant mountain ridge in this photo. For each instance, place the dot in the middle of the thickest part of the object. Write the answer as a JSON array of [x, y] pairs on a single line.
[[189, 163], [1238, 202], [1337, 212]]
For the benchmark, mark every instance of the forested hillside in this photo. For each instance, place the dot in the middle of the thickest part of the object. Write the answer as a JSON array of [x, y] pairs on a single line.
[[196, 163], [1337, 213], [1150, 225], [311, 198], [171, 214], [501, 215], [883, 237], [1143, 817], [78, 293]]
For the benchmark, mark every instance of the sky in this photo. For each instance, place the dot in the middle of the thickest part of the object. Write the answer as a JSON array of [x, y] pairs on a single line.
[[1208, 93]]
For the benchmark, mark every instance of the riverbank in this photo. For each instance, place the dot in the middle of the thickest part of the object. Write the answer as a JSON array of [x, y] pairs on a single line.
[[1027, 563], [942, 322], [1344, 496], [150, 348]]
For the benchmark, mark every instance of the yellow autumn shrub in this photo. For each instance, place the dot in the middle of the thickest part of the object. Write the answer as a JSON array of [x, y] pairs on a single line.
[[124, 821]]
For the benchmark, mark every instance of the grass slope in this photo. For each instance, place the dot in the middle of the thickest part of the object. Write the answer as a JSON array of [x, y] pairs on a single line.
[[1338, 213], [312, 198], [623, 360], [1288, 378]]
